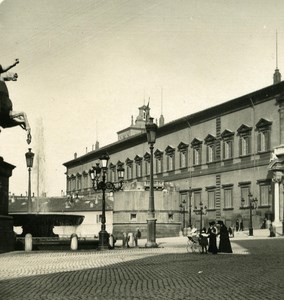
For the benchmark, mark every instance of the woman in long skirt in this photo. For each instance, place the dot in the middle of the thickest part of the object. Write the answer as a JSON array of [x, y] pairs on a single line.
[[212, 231], [225, 244]]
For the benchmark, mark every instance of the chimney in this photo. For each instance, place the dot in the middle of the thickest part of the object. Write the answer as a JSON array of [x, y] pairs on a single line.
[[97, 145], [161, 120], [276, 76], [75, 155]]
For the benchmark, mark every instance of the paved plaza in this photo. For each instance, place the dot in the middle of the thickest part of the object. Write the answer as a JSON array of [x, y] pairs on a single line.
[[254, 271]]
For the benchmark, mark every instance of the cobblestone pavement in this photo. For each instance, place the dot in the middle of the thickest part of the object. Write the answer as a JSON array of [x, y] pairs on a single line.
[[254, 271]]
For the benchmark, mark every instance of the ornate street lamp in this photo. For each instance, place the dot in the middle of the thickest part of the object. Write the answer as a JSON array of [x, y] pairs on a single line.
[[151, 130], [182, 212], [252, 205], [98, 176], [189, 208], [29, 160], [201, 211]]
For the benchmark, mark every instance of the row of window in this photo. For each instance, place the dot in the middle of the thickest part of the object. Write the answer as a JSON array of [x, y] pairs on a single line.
[[265, 197], [140, 166], [244, 133], [212, 144]]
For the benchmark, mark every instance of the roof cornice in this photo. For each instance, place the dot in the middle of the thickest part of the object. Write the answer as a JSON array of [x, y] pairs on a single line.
[[230, 106]]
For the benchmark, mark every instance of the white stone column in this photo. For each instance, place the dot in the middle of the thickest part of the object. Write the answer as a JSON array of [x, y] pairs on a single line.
[[277, 178]]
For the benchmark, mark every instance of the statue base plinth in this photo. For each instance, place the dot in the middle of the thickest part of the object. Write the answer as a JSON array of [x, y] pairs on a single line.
[[7, 236]]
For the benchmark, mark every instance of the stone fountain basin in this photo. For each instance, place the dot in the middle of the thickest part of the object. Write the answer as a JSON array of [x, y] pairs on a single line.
[[41, 224]]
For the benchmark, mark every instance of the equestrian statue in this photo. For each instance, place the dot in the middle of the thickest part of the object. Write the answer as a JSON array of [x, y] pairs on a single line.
[[8, 117]]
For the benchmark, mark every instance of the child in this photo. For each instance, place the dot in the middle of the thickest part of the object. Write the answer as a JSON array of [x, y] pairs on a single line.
[[203, 241]]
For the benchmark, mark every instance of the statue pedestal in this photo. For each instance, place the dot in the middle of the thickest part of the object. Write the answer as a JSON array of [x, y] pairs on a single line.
[[7, 237]]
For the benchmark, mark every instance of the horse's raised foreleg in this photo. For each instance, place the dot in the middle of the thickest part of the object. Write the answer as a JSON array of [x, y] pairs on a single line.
[[21, 119]]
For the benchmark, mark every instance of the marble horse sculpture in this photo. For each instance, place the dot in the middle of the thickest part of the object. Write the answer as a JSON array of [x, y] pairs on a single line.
[[8, 117]]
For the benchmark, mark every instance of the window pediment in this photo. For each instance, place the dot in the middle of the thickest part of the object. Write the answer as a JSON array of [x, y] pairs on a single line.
[[182, 146], [120, 164], [244, 129], [169, 150], [227, 134], [158, 153], [137, 158], [129, 161], [210, 188], [196, 142], [244, 183], [210, 139], [263, 124], [147, 156], [111, 166]]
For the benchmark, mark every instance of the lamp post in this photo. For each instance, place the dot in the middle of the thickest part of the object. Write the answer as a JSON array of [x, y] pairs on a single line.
[[182, 212], [151, 130], [29, 160], [189, 208], [98, 176], [201, 211], [252, 205]]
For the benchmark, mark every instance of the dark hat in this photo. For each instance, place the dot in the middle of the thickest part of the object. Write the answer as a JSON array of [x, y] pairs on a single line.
[[211, 223], [220, 222]]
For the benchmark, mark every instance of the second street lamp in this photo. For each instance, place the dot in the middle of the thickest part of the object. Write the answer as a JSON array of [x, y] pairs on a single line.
[[189, 208], [29, 160], [201, 211], [182, 212], [151, 130], [252, 205], [97, 172]]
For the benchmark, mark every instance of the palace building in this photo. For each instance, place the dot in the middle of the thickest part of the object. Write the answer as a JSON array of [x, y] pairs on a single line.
[[228, 158]]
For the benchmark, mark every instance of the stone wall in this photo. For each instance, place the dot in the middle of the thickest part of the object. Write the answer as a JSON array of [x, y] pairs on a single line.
[[7, 237]]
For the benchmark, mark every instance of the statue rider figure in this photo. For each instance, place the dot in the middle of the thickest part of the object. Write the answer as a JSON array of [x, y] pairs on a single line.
[[8, 117]]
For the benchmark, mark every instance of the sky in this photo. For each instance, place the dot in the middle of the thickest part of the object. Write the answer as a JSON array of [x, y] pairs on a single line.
[[86, 66]]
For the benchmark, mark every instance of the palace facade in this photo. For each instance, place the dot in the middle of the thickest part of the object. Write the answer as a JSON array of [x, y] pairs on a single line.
[[225, 157]]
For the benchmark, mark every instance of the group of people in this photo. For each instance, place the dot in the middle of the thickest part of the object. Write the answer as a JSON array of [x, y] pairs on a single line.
[[208, 238], [239, 225], [126, 238]]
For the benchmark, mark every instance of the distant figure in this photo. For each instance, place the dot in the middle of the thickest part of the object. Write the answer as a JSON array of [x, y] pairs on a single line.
[[112, 241], [271, 231], [125, 240], [8, 117], [212, 232], [263, 225], [231, 232], [241, 225], [237, 225], [137, 236], [225, 244]]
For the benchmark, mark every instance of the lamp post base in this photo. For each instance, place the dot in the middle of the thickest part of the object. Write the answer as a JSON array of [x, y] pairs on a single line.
[[151, 245], [250, 231], [151, 234], [103, 240]]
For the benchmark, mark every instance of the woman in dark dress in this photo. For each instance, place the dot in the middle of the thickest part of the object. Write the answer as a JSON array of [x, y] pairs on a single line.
[[212, 231], [225, 244]]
